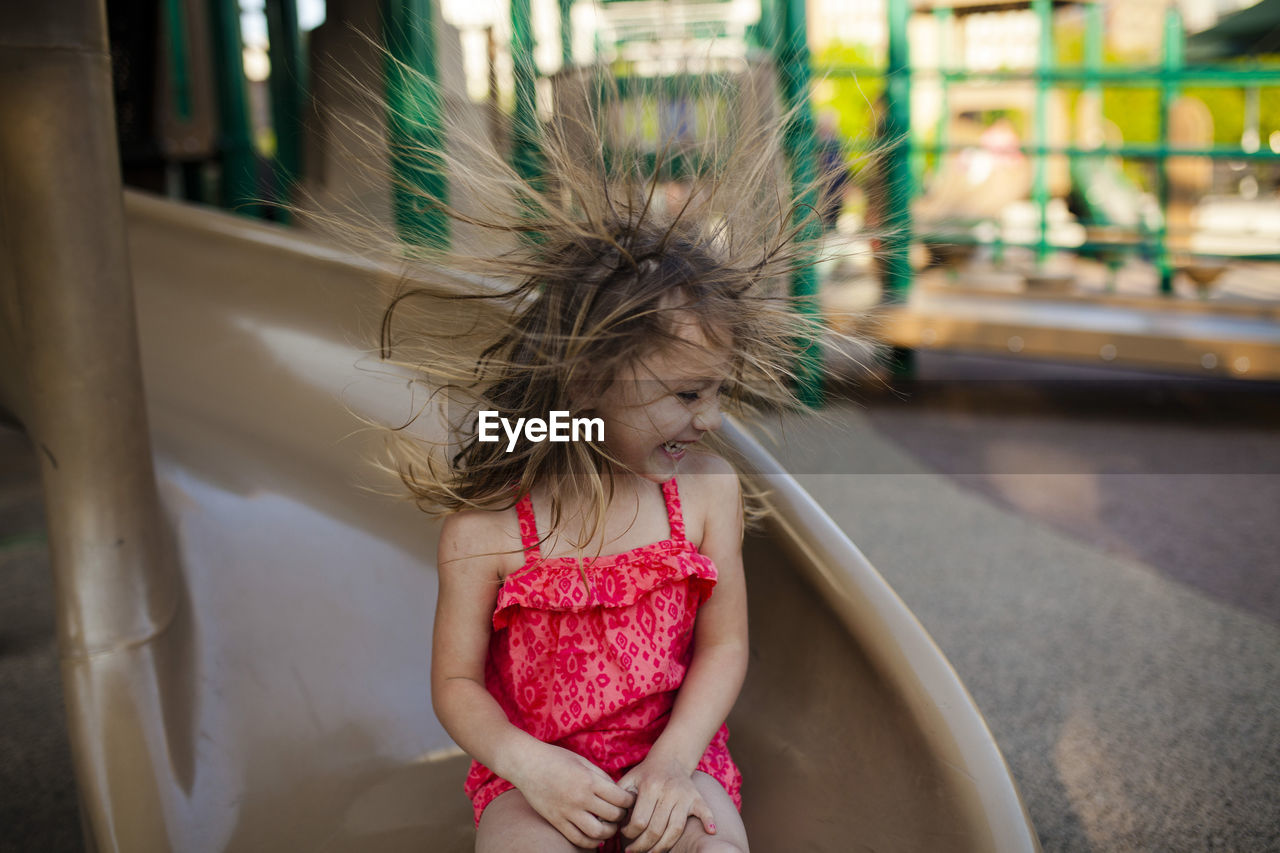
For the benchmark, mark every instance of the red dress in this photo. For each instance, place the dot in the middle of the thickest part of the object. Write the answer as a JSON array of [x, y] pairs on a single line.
[[589, 657]]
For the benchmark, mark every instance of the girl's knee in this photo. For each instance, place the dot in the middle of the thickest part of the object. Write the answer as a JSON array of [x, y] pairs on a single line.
[[711, 844]]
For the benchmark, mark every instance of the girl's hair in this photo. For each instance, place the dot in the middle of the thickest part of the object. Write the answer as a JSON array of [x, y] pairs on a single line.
[[604, 257]]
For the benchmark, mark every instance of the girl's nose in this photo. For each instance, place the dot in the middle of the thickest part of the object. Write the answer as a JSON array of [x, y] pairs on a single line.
[[709, 417]]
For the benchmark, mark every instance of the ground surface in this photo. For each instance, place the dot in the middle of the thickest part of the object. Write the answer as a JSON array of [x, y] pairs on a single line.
[[38, 810], [1096, 554]]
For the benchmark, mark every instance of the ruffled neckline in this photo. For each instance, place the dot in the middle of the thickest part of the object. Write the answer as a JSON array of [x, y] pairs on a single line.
[[611, 580]]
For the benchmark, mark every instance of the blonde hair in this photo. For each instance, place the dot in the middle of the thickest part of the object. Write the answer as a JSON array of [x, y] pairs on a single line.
[[601, 259]]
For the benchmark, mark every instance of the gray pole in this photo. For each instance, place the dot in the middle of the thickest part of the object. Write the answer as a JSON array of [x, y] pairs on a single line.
[[71, 374]]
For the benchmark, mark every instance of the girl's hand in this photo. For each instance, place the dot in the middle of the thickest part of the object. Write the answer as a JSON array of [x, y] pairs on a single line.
[[573, 795], [665, 799]]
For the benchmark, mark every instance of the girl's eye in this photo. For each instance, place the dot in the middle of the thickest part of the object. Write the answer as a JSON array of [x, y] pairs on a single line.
[[695, 396]]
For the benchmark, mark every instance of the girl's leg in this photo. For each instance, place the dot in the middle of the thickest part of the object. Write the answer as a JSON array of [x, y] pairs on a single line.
[[510, 825], [730, 835]]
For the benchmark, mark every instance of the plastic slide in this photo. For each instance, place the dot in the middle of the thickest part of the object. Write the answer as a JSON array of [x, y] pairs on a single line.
[[264, 686], [283, 702]]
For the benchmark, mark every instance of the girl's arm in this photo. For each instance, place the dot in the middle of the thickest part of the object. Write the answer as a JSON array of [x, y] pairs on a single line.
[[666, 796], [572, 794]]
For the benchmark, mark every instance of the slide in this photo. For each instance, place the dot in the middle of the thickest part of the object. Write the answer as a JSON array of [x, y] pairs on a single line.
[[280, 699]]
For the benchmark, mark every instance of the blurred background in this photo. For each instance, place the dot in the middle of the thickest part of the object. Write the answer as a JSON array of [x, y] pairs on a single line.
[[1061, 220]]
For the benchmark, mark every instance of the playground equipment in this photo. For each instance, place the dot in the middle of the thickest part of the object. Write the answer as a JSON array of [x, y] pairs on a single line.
[[244, 631], [1048, 79], [1203, 338], [1118, 222]]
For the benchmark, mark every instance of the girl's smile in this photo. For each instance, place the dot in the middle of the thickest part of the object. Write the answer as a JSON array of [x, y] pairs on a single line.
[[676, 449], [663, 404]]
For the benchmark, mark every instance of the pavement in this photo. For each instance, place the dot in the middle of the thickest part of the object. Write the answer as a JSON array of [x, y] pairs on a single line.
[[38, 807], [1095, 552]]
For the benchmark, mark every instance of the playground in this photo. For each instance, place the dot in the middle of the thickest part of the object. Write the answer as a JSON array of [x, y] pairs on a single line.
[[1018, 589]]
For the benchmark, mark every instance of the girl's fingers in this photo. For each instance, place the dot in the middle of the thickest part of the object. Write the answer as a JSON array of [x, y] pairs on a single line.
[[594, 828], [575, 835], [606, 810], [676, 821], [641, 815], [615, 795], [629, 784], [654, 831], [703, 812]]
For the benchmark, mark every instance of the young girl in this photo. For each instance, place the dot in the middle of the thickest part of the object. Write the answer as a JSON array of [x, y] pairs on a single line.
[[562, 665], [591, 625]]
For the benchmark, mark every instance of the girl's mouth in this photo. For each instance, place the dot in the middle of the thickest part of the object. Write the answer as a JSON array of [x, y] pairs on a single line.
[[675, 449]]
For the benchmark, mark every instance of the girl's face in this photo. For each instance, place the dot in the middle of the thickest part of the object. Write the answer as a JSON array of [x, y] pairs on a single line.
[[663, 403]]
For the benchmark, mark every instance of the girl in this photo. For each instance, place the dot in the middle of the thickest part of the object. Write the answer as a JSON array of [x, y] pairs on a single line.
[[591, 625], [560, 674]]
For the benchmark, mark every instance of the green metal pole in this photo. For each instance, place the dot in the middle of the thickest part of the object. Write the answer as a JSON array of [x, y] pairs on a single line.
[[415, 129], [770, 18], [945, 18], [566, 33], [1093, 37], [239, 161], [1251, 138], [288, 92], [525, 157], [800, 143], [895, 133], [1093, 41], [1168, 94], [175, 19], [896, 184], [1040, 177]]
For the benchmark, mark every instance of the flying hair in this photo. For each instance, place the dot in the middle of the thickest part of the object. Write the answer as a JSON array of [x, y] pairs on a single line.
[[554, 283]]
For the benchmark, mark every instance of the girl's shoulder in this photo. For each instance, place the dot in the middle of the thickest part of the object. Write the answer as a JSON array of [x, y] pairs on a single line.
[[700, 462], [482, 540], [709, 488]]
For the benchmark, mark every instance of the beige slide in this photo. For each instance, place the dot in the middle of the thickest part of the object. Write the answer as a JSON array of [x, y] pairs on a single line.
[[281, 699], [244, 613]]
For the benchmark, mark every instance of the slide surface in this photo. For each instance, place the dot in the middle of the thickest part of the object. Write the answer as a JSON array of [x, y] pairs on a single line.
[[285, 705]]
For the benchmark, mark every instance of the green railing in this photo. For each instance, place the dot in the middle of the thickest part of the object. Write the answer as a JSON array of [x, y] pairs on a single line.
[[904, 150], [415, 126], [783, 30]]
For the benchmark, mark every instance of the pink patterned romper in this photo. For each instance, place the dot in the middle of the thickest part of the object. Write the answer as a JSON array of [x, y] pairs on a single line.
[[594, 666]]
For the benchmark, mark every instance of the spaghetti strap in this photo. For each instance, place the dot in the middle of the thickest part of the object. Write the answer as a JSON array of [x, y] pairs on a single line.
[[528, 528], [675, 515]]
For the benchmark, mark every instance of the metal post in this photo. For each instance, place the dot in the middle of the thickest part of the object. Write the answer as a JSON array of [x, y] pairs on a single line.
[[174, 15], [524, 133], [1168, 94], [800, 143], [944, 16], [497, 132], [770, 16], [239, 161], [288, 83], [414, 123], [72, 376], [1093, 38], [566, 34], [1093, 42], [1040, 177], [1251, 137], [895, 133]]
